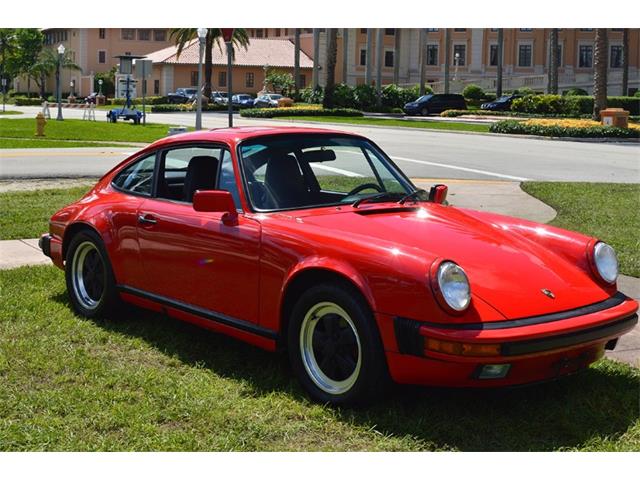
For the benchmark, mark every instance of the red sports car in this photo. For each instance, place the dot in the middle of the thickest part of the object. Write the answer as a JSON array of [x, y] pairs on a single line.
[[315, 242]]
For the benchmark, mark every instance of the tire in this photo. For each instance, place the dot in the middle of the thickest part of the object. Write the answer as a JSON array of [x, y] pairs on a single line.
[[424, 112], [90, 281], [335, 348]]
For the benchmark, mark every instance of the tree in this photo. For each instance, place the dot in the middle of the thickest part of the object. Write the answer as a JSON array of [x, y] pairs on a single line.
[[447, 58], [183, 37], [600, 72], [332, 53], [29, 43], [296, 62], [7, 49], [552, 72], [281, 82], [48, 63], [421, 51], [499, 62], [625, 61]]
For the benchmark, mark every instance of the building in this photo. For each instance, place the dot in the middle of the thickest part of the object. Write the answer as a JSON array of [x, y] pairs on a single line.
[[171, 71]]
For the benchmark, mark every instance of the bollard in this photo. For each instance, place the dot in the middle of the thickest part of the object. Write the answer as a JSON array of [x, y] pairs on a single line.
[[40, 123]]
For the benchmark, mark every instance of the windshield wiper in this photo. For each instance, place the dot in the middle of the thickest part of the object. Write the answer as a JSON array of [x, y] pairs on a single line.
[[377, 196], [411, 195]]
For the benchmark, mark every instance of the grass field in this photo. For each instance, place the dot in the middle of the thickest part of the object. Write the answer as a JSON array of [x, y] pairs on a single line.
[[610, 211], [47, 143], [385, 122], [84, 130], [145, 382], [10, 112]]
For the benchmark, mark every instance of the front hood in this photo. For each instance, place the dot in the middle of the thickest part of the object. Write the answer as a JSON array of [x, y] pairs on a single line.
[[504, 268]]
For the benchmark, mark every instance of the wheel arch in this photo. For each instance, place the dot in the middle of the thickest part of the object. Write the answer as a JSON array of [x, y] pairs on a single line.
[[72, 230]]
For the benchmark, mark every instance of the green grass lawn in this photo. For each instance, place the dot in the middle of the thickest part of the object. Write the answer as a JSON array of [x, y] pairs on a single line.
[[47, 143], [10, 112], [609, 211], [385, 122], [84, 130], [145, 382], [25, 214]]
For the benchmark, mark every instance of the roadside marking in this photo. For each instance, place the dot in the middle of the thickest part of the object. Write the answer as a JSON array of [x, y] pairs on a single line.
[[458, 180], [463, 169], [346, 173]]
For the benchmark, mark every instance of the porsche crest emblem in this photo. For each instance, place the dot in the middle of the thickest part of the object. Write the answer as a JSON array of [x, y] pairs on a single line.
[[548, 293]]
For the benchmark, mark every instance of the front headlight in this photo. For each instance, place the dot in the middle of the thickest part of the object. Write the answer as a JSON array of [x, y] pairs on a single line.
[[606, 262], [453, 285]]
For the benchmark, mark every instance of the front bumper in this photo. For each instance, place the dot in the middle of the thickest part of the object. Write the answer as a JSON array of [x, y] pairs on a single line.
[[536, 348]]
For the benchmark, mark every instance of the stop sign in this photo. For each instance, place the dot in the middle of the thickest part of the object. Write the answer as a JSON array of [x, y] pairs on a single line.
[[227, 33]]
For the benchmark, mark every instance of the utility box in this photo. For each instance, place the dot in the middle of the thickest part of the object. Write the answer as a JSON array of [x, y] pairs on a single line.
[[614, 117]]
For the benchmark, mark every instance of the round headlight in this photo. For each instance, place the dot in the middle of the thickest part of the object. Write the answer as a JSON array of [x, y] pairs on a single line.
[[454, 286], [604, 256]]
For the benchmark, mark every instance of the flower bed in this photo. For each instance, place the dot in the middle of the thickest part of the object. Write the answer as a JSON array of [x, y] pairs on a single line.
[[300, 111], [579, 128]]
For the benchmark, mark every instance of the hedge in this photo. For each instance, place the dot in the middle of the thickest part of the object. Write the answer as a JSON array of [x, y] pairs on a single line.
[[507, 113], [570, 104], [187, 107], [27, 102], [299, 112], [138, 101], [365, 97], [519, 127]]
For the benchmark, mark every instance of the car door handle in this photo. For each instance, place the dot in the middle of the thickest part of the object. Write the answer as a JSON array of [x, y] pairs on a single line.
[[147, 219]]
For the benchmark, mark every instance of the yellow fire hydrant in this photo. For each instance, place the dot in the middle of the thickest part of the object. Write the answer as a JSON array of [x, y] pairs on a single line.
[[40, 123]]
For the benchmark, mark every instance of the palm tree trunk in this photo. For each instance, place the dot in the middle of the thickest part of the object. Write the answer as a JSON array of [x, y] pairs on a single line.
[[369, 58], [332, 53], [316, 58], [379, 50], [208, 65], [625, 61], [422, 38], [396, 56], [447, 58], [345, 53], [600, 73], [552, 73], [499, 62], [296, 63]]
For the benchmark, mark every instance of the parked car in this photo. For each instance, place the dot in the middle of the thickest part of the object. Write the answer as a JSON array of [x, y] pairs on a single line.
[[242, 100], [265, 234], [219, 98], [500, 104], [267, 100], [435, 103], [183, 95], [91, 98]]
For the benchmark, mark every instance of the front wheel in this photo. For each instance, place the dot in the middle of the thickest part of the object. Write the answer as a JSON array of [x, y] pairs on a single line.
[[335, 348], [424, 112]]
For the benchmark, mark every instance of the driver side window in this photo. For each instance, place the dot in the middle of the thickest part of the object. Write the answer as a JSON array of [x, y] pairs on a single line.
[[137, 177]]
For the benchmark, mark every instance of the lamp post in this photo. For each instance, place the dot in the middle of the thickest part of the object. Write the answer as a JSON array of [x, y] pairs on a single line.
[[456, 61], [265, 69], [61, 50], [227, 35], [202, 35], [100, 87]]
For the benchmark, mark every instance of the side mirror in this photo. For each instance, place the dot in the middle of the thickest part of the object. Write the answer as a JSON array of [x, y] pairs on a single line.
[[216, 201], [438, 193]]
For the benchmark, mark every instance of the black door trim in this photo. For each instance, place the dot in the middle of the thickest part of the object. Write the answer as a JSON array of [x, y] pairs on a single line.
[[202, 312]]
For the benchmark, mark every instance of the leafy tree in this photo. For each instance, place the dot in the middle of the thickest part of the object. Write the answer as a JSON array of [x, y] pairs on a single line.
[[7, 49], [29, 43], [332, 52], [48, 63], [281, 82], [184, 36], [600, 72]]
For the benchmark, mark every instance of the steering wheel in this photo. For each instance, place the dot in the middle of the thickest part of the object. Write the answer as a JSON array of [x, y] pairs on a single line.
[[364, 186]]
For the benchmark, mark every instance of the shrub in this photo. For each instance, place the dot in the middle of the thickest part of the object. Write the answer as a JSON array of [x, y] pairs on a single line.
[[525, 91], [575, 91], [473, 92], [490, 113], [632, 104], [344, 96], [310, 95], [27, 102], [187, 107], [539, 104], [366, 97], [299, 112], [637, 94], [562, 129]]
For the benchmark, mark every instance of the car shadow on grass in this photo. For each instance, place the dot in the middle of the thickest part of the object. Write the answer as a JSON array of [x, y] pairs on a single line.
[[586, 410]]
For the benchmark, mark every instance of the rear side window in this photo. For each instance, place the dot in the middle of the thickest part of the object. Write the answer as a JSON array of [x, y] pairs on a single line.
[[138, 177]]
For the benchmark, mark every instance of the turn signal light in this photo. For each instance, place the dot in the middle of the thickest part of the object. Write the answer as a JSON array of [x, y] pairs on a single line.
[[465, 349]]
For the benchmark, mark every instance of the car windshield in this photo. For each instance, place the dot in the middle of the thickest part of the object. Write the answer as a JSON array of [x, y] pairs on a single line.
[[275, 97], [191, 91], [423, 98], [504, 98], [304, 171]]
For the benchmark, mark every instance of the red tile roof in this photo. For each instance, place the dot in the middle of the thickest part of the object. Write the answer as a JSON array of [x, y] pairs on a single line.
[[260, 52]]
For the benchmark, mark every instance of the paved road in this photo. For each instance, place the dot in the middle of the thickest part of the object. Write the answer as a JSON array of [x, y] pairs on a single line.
[[420, 153]]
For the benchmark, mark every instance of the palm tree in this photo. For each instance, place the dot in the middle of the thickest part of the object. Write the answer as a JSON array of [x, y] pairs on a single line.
[[332, 53], [185, 36], [600, 73], [396, 56], [345, 53], [316, 58], [552, 73], [421, 51], [379, 49], [499, 62], [48, 63], [447, 58], [625, 61], [296, 63]]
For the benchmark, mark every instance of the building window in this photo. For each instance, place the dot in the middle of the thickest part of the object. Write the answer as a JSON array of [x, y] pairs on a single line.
[[615, 59], [586, 29], [102, 33], [493, 55], [432, 29], [524, 56], [585, 56], [286, 32], [363, 30], [102, 56], [303, 80], [156, 87], [160, 35], [526, 29], [144, 35], [363, 56], [128, 33], [388, 58], [259, 33], [432, 54], [459, 52], [249, 79], [459, 29], [617, 29], [277, 32], [222, 79], [390, 31], [494, 29], [194, 78]]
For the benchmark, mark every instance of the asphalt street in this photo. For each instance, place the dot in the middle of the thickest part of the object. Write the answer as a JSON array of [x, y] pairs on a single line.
[[419, 153]]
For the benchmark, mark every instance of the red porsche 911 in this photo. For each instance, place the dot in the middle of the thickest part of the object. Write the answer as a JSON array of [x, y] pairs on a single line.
[[313, 241]]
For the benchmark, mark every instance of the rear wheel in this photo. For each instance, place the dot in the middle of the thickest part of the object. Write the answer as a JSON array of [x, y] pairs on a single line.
[[424, 112], [90, 282], [335, 348]]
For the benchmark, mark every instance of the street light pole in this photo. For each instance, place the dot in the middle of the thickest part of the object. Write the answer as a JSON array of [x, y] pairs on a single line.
[[202, 35], [61, 50], [457, 61]]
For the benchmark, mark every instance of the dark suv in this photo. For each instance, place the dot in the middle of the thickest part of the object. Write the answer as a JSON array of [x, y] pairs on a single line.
[[435, 103]]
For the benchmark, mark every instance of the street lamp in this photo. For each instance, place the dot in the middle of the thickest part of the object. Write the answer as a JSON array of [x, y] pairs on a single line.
[[100, 86], [456, 61], [265, 67], [61, 50], [202, 35], [72, 84]]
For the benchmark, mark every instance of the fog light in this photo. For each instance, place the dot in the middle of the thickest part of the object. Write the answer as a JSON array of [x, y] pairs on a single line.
[[493, 371]]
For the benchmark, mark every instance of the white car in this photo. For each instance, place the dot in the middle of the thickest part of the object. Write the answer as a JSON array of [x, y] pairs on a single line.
[[267, 100]]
